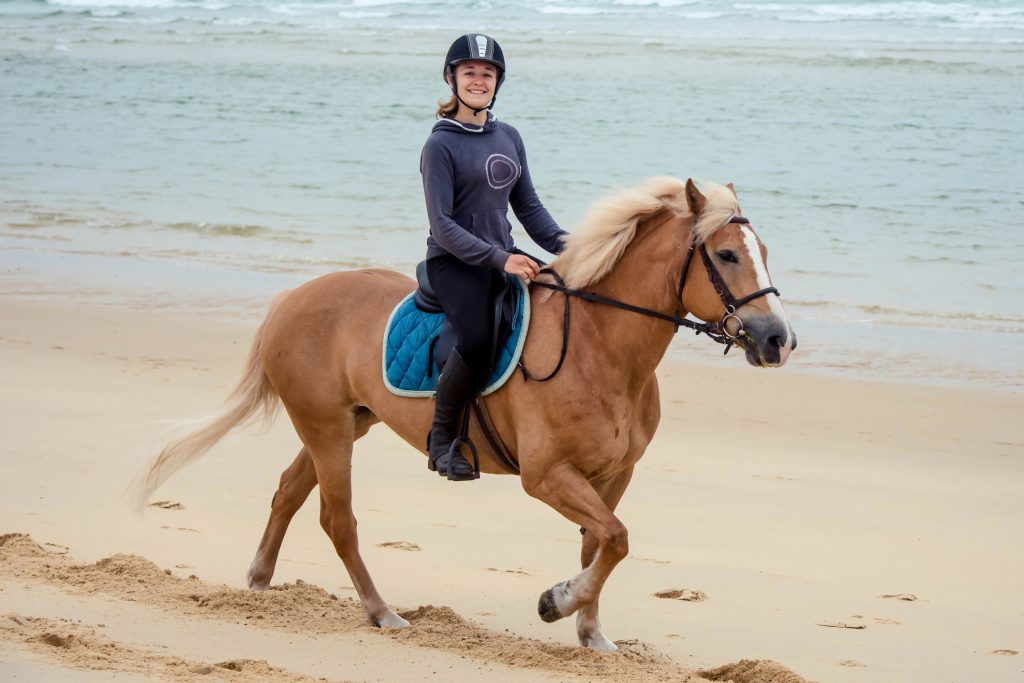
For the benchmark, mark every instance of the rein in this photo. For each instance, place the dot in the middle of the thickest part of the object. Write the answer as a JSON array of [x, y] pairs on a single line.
[[717, 331]]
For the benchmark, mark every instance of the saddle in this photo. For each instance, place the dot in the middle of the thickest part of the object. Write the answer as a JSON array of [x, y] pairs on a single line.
[[504, 305], [419, 338]]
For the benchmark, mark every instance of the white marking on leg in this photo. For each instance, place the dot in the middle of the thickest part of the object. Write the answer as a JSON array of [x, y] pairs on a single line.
[[764, 280], [250, 576], [577, 590], [392, 620], [588, 628]]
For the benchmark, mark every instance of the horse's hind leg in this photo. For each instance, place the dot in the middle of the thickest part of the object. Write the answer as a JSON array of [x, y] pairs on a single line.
[[330, 447], [588, 626], [297, 481]]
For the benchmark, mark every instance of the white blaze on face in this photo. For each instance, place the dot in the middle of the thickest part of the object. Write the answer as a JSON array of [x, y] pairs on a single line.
[[763, 280]]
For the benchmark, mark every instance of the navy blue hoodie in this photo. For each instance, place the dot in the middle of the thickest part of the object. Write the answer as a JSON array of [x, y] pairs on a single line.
[[470, 176]]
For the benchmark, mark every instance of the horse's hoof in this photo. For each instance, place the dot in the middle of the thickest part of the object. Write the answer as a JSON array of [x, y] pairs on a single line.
[[257, 584], [600, 643], [391, 620], [547, 608]]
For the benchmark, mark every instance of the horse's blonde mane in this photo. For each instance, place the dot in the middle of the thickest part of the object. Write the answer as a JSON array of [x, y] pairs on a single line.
[[601, 238]]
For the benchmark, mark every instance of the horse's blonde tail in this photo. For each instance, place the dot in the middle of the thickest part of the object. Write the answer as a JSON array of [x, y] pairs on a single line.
[[252, 397]]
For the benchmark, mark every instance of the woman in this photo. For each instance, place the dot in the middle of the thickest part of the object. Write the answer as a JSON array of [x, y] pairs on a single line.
[[473, 167]]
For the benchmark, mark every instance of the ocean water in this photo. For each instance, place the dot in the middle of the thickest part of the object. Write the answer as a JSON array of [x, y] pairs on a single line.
[[204, 154]]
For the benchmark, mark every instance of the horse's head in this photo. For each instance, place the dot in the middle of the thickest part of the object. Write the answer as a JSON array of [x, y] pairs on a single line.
[[727, 279]]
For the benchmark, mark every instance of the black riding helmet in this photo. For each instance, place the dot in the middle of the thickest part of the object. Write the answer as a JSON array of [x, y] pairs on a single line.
[[474, 47]]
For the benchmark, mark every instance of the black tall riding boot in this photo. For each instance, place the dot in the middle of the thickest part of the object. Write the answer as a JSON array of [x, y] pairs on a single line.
[[454, 389]]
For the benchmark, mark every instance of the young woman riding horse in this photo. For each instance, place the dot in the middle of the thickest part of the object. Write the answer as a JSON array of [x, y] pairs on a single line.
[[576, 438], [473, 167]]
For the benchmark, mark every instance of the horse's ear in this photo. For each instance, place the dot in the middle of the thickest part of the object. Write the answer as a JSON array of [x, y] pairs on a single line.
[[694, 199], [732, 189]]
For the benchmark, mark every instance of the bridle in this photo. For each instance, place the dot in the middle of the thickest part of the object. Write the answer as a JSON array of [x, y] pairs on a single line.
[[732, 304], [717, 331]]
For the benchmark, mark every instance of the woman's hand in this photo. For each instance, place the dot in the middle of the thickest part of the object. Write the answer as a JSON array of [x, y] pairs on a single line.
[[523, 266]]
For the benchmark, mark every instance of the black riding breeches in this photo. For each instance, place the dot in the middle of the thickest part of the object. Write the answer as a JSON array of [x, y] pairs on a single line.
[[466, 295]]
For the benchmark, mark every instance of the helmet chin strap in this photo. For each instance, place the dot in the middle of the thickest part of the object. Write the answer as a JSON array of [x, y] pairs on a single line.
[[455, 91]]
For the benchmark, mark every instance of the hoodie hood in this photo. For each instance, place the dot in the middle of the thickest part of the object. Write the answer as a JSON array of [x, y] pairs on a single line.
[[468, 128]]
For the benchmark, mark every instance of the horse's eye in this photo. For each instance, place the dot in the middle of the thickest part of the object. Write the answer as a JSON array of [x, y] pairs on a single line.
[[727, 256]]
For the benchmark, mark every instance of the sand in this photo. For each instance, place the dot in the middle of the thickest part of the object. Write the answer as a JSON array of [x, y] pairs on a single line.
[[797, 527]]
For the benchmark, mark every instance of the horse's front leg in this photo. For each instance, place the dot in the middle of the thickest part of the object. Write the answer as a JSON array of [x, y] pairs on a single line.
[[566, 490], [588, 626]]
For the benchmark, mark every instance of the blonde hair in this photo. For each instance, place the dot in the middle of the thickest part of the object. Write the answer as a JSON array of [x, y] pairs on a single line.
[[446, 109]]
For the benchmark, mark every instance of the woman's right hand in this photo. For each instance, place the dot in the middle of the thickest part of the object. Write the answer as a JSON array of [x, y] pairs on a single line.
[[523, 266]]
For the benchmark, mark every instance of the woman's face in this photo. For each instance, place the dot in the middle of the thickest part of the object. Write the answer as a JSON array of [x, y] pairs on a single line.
[[476, 82]]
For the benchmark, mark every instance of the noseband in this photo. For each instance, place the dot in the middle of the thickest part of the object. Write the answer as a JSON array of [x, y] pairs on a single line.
[[717, 331]]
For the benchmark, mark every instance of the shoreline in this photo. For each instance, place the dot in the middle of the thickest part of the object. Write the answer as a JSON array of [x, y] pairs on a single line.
[[970, 353], [788, 499]]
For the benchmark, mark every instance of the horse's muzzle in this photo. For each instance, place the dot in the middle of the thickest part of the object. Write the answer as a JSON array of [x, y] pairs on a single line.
[[767, 341]]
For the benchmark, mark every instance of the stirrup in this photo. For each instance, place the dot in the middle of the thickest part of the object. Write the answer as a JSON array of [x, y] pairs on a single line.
[[454, 451]]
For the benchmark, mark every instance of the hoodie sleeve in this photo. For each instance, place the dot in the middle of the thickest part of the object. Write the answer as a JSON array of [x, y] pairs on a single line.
[[438, 171], [528, 209]]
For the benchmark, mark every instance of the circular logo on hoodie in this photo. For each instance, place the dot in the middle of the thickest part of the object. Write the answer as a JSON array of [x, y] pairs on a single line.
[[501, 171]]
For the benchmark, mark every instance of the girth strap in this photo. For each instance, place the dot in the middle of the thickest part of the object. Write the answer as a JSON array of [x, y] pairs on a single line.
[[501, 452]]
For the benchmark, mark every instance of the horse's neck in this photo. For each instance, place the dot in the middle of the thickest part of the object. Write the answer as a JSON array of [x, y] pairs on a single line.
[[630, 344]]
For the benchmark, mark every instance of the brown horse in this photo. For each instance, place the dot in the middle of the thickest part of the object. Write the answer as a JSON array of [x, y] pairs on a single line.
[[576, 437]]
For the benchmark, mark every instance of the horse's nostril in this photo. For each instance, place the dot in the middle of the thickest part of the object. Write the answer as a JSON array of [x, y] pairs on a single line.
[[775, 341]]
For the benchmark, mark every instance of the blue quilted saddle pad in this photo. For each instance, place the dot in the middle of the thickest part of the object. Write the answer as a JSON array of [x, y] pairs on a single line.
[[408, 367]]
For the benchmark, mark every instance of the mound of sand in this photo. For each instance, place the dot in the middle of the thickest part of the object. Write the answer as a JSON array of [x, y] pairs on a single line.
[[304, 608], [753, 671]]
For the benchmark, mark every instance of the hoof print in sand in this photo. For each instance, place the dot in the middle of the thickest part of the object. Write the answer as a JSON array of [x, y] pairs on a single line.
[[400, 545], [906, 597], [508, 571], [684, 594], [167, 505], [1005, 653], [55, 640], [841, 624], [853, 663]]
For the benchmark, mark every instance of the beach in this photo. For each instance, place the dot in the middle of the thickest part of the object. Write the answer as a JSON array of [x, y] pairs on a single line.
[[167, 167], [793, 518]]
